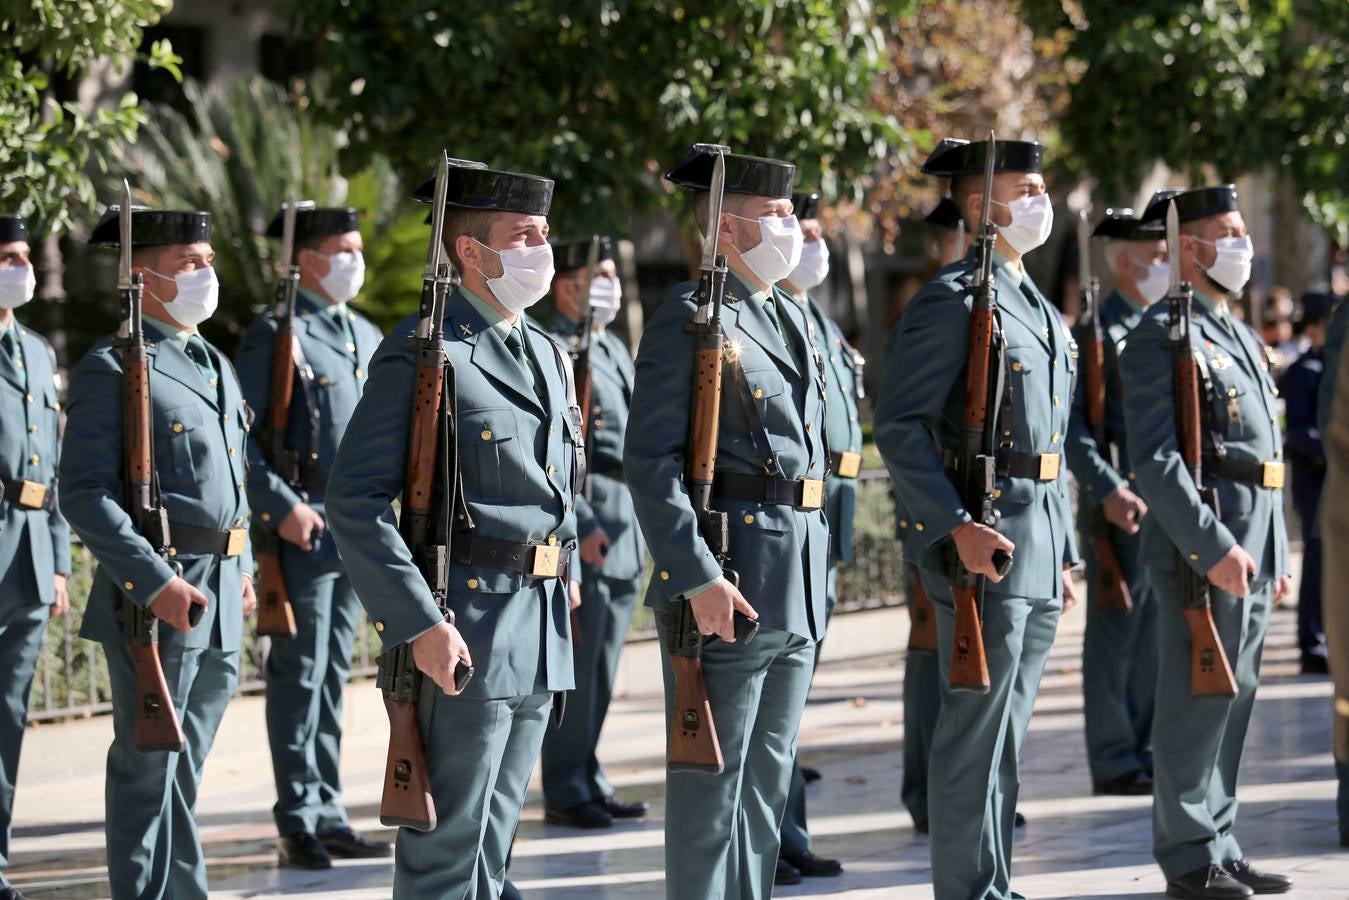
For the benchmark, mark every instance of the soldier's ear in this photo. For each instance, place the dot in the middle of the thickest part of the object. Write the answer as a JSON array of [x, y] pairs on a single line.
[[468, 251]]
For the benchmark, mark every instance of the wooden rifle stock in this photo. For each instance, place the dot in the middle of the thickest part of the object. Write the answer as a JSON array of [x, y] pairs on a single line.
[[406, 800], [922, 615], [276, 614], [969, 662]]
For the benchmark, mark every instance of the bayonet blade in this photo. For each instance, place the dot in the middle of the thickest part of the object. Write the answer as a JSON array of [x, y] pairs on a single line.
[[435, 251], [1083, 249], [592, 260], [1173, 246], [289, 211], [958, 248], [985, 222], [124, 234], [714, 210]]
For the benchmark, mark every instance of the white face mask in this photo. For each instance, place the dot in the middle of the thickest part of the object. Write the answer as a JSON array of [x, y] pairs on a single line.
[[346, 274], [605, 296], [526, 275], [813, 268], [1231, 268], [778, 250], [1155, 282], [17, 284], [198, 296], [1032, 221]]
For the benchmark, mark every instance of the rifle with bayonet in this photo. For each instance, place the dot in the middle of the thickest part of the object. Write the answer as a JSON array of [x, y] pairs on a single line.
[[1112, 590], [585, 388], [1210, 671], [430, 490], [276, 615], [156, 725], [693, 744], [976, 464]]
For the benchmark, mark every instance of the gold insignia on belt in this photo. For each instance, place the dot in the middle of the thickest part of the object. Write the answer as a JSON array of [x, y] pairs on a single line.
[[238, 540], [546, 561], [1271, 475], [849, 464], [812, 493], [32, 494], [1049, 466]]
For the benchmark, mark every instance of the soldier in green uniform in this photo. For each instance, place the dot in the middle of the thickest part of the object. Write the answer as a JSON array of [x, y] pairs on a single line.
[[721, 831], [1119, 651], [976, 747], [306, 673], [843, 434], [1241, 548], [575, 791], [511, 549], [1332, 415], [34, 537], [199, 425]]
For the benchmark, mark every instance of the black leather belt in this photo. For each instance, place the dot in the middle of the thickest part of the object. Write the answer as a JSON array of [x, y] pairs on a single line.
[[1266, 474], [536, 560], [29, 494], [805, 493], [1035, 466], [191, 539], [845, 464], [609, 468]]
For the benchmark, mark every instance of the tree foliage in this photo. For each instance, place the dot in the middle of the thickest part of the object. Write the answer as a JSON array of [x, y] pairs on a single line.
[[1215, 89], [602, 95], [47, 142]]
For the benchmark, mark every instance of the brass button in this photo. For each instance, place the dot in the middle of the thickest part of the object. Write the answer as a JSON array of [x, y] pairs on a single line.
[[551, 470], [28, 397], [56, 406], [854, 418], [1054, 364], [903, 523], [597, 409], [758, 393], [833, 358], [997, 492], [32, 429], [129, 585], [810, 426], [1231, 392], [214, 382], [379, 625], [351, 348], [749, 520], [266, 517], [1054, 439], [486, 434], [1194, 556], [1016, 367], [664, 575], [473, 584], [233, 452], [238, 520], [918, 526], [351, 316], [323, 379], [34, 459], [173, 551], [360, 374], [551, 429], [1056, 399], [177, 427], [552, 540]]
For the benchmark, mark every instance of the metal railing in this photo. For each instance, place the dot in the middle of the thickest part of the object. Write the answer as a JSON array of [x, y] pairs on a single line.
[[72, 676]]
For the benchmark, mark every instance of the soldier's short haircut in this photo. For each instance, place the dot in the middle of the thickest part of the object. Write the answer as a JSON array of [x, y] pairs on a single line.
[[731, 203], [476, 223], [962, 186]]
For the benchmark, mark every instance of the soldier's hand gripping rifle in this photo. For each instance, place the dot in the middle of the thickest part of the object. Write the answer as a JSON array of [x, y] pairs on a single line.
[[693, 744], [156, 724], [430, 492], [1112, 591], [976, 466], [1210, 671], [276, 616]]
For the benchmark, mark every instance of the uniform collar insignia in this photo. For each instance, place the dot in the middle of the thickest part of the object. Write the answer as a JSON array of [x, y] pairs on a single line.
[[466, 330]]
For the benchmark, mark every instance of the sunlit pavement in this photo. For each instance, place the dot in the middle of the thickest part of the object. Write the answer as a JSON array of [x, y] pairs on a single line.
[[1076, 845]]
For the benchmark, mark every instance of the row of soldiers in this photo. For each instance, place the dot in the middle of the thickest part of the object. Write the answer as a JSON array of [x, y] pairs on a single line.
[[788, 453]]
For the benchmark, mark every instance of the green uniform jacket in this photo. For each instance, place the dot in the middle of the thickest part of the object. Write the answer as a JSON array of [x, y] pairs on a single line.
[[923, 397], [1240, 411], [610, 503], [780, 552], [199, 435], [1095, 473], [516, 451], [30, 421]]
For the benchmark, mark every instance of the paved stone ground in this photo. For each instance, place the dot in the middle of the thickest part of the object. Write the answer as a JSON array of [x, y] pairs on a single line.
[[1075, 845]]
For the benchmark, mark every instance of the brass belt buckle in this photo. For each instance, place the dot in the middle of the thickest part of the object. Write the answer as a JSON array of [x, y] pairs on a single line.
[[1049, 466], [238, 540], [849, 464], [812, 493], [1271, 475], [546, 561], [32, 494]]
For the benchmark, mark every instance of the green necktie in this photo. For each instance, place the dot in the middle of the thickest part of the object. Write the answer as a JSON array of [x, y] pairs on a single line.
[[516, 344], [196, 351], [344, 323], [9, 342]]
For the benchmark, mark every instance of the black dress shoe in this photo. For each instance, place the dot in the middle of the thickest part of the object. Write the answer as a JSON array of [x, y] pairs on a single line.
[[812, 866], [1208, 883], [620, 810], [1260, 882], [1018, 820], [1315, 664], [786, 873], [302, 850], [11, 893], [1133, 784], [347, 844], [810, 774], [1344, 838], [583, 815], [920, 827]]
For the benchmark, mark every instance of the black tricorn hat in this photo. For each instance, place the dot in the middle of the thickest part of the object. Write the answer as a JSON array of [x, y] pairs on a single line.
[[754, 175], [944, 215], [1192, 205], [1122, 225], [318, 222], [13, 228], [471, 185], [572, 255], [954, 156], [153, 227], [805, 205]]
